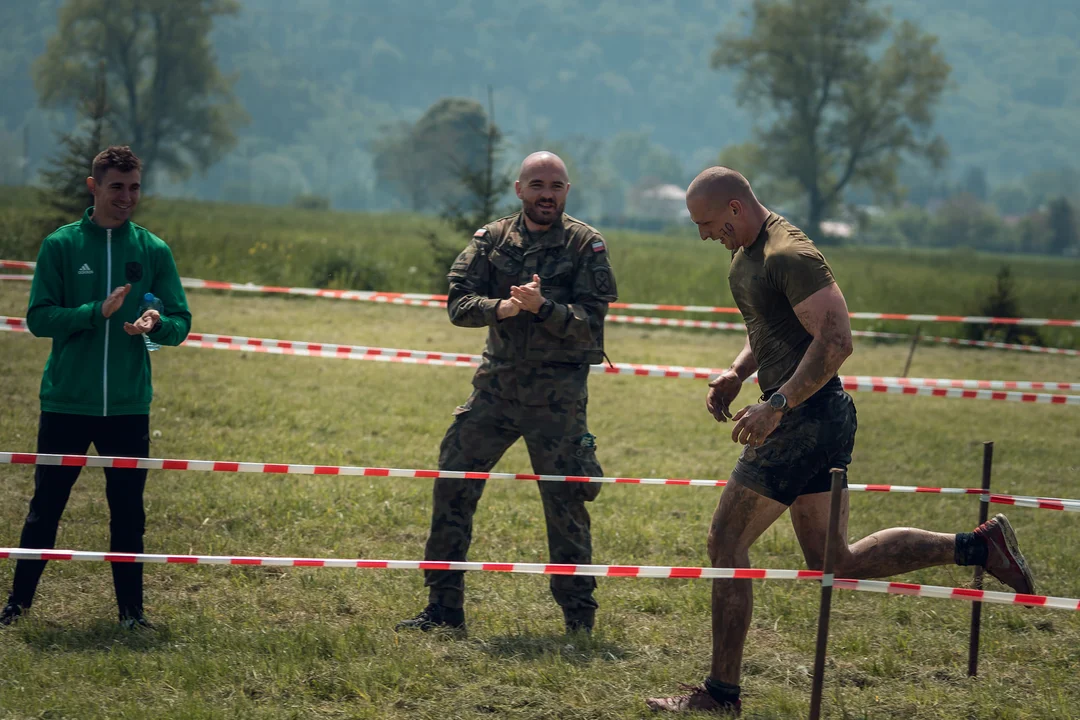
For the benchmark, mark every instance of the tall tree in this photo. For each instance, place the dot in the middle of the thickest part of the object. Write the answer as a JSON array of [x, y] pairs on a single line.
[[485, 184], [421, 163], [65, 180], [752, 160], [975, 184], [1064, 230], [841, 112], [167, 98]]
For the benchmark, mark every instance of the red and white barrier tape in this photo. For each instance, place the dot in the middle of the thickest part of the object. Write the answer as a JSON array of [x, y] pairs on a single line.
[[13, 458], [674, 322], [948, 593], [393, 298], [641, 571], [968, 384], [713, 325], [629, 571], [1008, 396], [433, 300], [417, 299], [992, 344], [422, 357]]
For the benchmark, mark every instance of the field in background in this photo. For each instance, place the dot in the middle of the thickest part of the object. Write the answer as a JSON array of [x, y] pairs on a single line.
[[284, 246], [287, 643]]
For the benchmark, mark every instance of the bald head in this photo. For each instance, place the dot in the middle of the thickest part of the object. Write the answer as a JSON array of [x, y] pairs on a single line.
[[542, 161], [542, 186], [723, 206], [720, 184]]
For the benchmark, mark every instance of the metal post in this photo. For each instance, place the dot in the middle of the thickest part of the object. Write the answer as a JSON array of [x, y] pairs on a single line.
[[911, 352], [976, 608], [826, 593]]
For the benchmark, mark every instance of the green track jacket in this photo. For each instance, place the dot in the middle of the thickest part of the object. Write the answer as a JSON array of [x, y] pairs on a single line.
[[95, 368]]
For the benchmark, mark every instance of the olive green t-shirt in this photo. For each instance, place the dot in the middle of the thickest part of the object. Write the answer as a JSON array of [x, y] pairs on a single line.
[[769, 278]]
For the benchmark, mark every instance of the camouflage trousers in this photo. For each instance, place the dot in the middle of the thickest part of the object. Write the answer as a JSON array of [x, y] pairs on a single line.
[[559, 443]]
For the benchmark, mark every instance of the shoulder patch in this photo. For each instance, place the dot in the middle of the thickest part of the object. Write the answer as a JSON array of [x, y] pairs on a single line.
[[598, 245], [602, 279], [480, 233]]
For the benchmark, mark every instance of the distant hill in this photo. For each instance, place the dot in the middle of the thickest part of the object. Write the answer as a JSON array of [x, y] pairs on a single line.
[[327, 74]]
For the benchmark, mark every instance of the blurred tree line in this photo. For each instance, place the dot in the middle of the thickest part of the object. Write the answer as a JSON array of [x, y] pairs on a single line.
[[269, 102], [1037, 214]]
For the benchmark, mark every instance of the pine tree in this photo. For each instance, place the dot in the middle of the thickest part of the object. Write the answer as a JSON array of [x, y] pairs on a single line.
[[1002, 302], [484, 185], [65, 180], [1064, 229]]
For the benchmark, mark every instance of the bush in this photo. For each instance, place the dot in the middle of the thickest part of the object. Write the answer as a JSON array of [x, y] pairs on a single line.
[[1002, 302], [347, 271], [307, 201]]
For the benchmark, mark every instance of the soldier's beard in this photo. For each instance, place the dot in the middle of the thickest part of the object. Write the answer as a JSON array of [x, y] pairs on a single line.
[[541, 217]]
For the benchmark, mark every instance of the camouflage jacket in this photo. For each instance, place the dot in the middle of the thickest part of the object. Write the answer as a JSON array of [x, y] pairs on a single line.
[[532, 360]]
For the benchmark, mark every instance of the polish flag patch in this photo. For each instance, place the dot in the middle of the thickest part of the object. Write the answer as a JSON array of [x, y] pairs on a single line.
[[598, 245], [480, 233]]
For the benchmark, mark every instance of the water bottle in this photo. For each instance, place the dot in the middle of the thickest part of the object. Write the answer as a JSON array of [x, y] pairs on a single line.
[[150, 302]]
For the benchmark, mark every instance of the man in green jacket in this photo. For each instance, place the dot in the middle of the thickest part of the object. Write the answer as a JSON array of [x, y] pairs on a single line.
[[90, 279]]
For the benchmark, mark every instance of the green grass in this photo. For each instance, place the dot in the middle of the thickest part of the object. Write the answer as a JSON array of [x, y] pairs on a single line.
[[289, 643], [365, 251]]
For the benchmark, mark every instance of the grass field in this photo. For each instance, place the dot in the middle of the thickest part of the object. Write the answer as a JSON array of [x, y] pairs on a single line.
[[277, 643], [284, 246]]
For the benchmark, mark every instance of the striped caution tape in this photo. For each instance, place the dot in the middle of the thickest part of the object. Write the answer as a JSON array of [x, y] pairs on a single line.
[[641, 571], [625, 571], [714, 325], [948, 593], [435, 300], [934, 387], [967, 384], [1008, 396], [14, 458]]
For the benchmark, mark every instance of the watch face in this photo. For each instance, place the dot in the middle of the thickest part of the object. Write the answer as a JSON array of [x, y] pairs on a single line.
[[777, 401]]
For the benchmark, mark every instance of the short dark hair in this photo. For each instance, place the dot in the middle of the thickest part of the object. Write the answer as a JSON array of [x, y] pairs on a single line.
[[114, 156]]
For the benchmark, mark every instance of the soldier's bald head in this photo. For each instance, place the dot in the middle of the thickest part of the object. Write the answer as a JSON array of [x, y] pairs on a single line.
[[542, 186], [720, 185], [542, 161]]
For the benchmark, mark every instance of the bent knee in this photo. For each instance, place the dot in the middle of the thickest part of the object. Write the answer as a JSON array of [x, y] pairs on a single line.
[[724, 552], [842, 563]]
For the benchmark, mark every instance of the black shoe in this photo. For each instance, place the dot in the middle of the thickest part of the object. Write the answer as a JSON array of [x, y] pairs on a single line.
[[10, 614], [137, 621], [579, 622], [435, 617]]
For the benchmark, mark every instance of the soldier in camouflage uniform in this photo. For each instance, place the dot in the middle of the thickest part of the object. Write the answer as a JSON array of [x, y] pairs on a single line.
[[541, 282]]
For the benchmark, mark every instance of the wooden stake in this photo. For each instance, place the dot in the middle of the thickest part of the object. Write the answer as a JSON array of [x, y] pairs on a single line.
[[976, 608], [826, 593]]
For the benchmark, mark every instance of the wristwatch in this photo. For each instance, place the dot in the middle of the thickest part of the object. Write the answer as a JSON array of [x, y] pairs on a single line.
[[778, 401]]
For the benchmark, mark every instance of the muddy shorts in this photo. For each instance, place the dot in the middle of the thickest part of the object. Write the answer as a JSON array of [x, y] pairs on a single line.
[[810, 440]]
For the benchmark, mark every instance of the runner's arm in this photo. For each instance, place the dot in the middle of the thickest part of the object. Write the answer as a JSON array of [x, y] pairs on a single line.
[[745, 363], [825, 316]]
